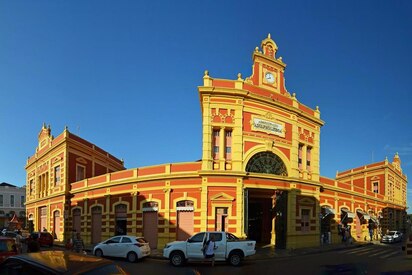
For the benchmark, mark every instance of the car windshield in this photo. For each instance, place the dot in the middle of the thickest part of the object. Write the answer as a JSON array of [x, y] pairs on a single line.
[[391, 233]]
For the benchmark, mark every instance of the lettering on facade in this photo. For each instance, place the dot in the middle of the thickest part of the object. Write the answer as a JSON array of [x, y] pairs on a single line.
[[268, 127]]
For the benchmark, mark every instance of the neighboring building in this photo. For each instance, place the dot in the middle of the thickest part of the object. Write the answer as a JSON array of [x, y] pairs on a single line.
[[258, 176], [57, 163], [12, 199]]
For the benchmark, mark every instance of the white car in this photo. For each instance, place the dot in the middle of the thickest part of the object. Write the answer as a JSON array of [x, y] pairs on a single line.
[[129, 247], [392, 237], [227, 248]]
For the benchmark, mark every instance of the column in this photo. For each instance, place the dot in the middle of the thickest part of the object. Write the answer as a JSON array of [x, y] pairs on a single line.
[[133, 210]]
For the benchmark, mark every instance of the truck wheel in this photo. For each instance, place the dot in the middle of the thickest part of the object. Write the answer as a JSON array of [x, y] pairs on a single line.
[[235, 258], [177, 258]]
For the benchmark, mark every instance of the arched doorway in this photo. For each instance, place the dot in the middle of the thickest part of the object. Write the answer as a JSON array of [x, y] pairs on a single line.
[[96, 224], [185, 212], [56, 224], [266, 209], [43, 218], [77, 220], [31, 223], [150, 230], [121, 219]]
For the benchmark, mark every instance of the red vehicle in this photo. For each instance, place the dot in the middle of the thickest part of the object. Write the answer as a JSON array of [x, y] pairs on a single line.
[[7, 248], [44, 238]]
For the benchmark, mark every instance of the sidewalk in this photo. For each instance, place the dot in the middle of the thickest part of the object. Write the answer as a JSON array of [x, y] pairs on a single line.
[[267, 251]]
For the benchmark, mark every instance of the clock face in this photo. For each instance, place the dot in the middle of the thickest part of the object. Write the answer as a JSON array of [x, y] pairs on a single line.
[[270, 77]]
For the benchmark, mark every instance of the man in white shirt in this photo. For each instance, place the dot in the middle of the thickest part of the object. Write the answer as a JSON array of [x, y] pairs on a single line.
[[210, 249]]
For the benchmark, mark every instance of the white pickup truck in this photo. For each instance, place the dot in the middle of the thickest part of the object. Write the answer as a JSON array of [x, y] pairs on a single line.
[[227, 248]]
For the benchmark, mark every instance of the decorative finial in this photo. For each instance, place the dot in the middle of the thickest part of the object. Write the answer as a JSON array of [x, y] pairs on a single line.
[[280, 58], [257, 49], [239, 76], [206, 73], [317, 108], [66, 128], [269, 35], [293, 95]]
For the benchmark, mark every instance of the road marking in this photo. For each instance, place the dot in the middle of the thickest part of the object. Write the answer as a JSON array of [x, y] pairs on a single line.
[[356, 250], [378, 253], [389, 255]]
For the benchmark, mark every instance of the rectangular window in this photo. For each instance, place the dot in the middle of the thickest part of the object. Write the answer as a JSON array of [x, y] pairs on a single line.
[[308, 151], [22, 201], [300, 149], [31, 184], [228, 143], [305, 215], [80, 172], [375, 187], [56, 175], [1, 200], [12, 200], [215, 143]]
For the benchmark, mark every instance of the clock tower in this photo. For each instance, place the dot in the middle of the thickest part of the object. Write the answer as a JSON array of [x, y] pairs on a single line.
[[268, 71]]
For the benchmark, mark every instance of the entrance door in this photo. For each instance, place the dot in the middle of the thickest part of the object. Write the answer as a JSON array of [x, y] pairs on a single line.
[[184, 225], [56, 224], [96, 224], [150, 228], [77, 220], [43, 218], [121, 219], [221, 219]]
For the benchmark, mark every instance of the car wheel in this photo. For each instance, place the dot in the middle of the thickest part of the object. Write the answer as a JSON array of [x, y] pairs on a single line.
[[131, 257], [235, 258], [177, 258], [98, 253]]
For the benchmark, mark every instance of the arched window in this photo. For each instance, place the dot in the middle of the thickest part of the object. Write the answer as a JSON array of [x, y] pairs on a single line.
[[267, 163]]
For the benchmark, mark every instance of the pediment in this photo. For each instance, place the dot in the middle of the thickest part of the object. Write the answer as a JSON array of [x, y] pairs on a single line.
[[222, 197]]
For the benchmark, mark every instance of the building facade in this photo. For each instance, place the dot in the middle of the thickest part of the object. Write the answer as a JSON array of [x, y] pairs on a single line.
[[12, 200], [56, 164], [258, 176]]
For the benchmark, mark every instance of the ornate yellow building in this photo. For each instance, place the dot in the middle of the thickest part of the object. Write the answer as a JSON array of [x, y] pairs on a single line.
[[258, 176]]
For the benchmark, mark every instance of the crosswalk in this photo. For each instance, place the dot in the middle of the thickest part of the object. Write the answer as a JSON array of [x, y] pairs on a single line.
[[381, 252]]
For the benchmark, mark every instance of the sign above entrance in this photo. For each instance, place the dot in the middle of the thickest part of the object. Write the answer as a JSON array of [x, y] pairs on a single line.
[[270, 127]]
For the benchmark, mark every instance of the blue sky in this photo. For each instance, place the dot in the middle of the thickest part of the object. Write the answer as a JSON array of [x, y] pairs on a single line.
[[124, 74]]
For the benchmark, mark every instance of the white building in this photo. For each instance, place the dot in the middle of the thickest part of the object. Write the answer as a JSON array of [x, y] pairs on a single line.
[[12, 201]]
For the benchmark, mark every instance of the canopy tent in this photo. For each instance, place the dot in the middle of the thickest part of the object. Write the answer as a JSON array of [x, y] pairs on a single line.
[[363, 214]]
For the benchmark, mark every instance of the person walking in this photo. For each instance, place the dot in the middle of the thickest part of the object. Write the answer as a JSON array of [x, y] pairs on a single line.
[[78, 244], [210, 249], [19, 241]]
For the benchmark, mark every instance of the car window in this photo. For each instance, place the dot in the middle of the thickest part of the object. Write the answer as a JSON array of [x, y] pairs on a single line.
[[217, 236], [231, 237], [15, 267], [141, 240], [198, 238], [107, 269], [126, 240], [114, 240]]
